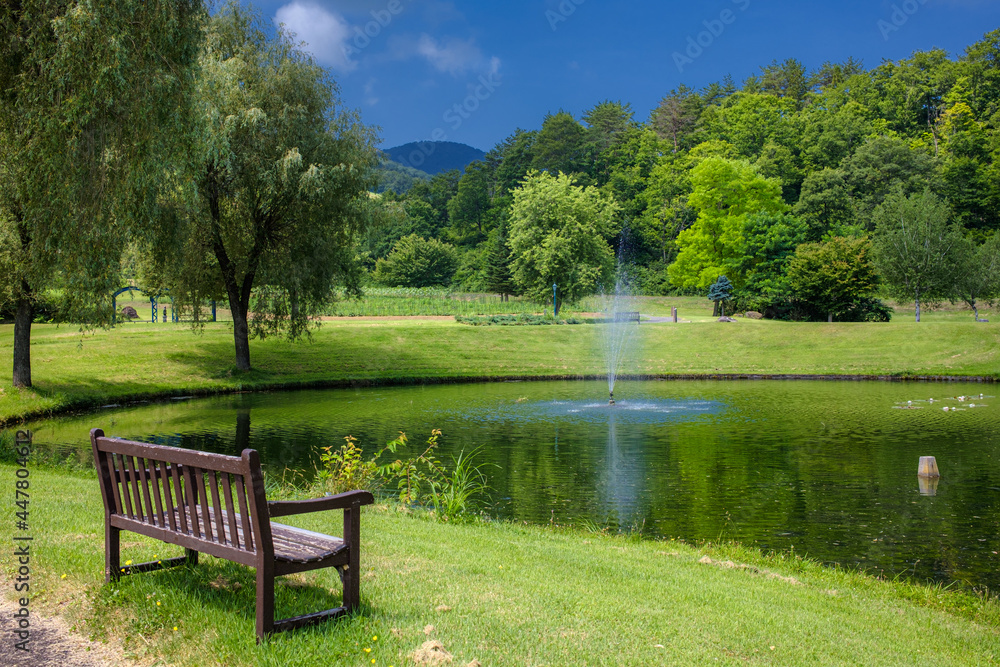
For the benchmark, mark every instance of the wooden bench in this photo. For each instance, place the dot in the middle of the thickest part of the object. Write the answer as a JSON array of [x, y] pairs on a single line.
[[215, 504], [625, 316]]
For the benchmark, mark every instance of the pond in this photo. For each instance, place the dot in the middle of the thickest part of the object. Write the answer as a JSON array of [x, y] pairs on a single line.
[[824, 469]]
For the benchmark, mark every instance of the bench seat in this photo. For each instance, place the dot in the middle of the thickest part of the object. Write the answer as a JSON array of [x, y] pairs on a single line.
[[291, 544]]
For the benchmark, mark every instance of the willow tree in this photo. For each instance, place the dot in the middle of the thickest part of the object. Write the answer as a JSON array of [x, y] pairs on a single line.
[[92, 98], [281, 188]]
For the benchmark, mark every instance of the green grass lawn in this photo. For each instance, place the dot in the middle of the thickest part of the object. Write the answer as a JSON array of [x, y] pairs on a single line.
[[141, 360], [502, 594]]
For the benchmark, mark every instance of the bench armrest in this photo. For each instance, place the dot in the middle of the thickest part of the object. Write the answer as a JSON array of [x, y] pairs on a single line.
[[278, 508]]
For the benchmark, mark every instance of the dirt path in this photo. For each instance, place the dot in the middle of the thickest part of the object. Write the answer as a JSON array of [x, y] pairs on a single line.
[[51, 643]]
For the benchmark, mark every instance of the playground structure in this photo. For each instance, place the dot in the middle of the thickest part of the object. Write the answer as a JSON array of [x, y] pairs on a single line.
[[153, 303]]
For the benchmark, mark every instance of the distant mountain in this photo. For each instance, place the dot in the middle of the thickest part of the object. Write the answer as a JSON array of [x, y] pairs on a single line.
[[394, 176], [435, 157]]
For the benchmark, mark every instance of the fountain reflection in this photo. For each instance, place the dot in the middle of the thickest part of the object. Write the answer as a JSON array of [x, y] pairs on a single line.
[[622, 484]]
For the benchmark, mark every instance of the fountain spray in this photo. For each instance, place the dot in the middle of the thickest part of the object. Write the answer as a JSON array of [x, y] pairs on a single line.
[[619, 330]]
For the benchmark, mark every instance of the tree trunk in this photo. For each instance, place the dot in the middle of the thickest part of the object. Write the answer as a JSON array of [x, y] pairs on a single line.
[[918, 308], [829, 318], [241, 331], [22, 338], [239, 295], [975, 312]]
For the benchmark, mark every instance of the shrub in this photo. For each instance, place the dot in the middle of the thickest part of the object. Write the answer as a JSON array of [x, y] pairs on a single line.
[[417, 262]]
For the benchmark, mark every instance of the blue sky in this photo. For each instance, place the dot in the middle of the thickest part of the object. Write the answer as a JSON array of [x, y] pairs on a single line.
[[474, 72]]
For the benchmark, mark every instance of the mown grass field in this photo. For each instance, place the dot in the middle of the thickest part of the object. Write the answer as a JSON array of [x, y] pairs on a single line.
[[141, 360], [499, 593], [502, 594]]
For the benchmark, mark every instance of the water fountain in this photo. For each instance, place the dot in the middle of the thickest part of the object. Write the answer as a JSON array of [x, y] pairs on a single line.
[[621, 315]]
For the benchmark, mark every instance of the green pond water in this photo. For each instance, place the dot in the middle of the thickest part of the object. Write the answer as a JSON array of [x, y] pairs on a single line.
[[827, 469]]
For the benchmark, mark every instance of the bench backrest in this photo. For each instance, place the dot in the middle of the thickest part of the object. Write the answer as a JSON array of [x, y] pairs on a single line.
[[211, 502]]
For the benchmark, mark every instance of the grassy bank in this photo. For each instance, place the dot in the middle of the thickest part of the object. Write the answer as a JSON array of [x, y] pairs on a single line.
[[141, 360], [501, 594]]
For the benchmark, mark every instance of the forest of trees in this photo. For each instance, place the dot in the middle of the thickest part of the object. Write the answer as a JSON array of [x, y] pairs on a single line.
[[815, 193]]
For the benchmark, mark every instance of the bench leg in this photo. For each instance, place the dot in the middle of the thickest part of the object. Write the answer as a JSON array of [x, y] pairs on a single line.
[[112, 553], [265, 601], [192, 556], [351, 576]]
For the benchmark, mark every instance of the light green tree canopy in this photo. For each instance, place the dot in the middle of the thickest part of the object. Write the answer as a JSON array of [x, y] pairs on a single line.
[[93, 109], [724, 192], [281, 184], [559, 234]]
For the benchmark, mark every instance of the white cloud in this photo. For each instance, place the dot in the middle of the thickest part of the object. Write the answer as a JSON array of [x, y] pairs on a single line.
[[453, 55], [326, 33]]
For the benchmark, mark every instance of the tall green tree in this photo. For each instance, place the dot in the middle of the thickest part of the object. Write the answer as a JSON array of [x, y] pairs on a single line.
[[833, 276], [883, 165], [498, 274], [560, 145], [916, 246], [438, 192], [468, 209], [675, 117], [769, 243], [977, 275], [282, 185], [607, 124], [724, 192], [93, 99], [559, 234], [825, 204]]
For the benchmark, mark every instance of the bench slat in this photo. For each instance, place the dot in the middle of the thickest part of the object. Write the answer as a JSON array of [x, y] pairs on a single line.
[[136, 498], [178, 493], [154, 478], [126, 496], [184, 457], [227, 488], [204, 505], [220, 512], [148, 515], [241, 491], [168, 499], [191, 493], [109, 464]]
